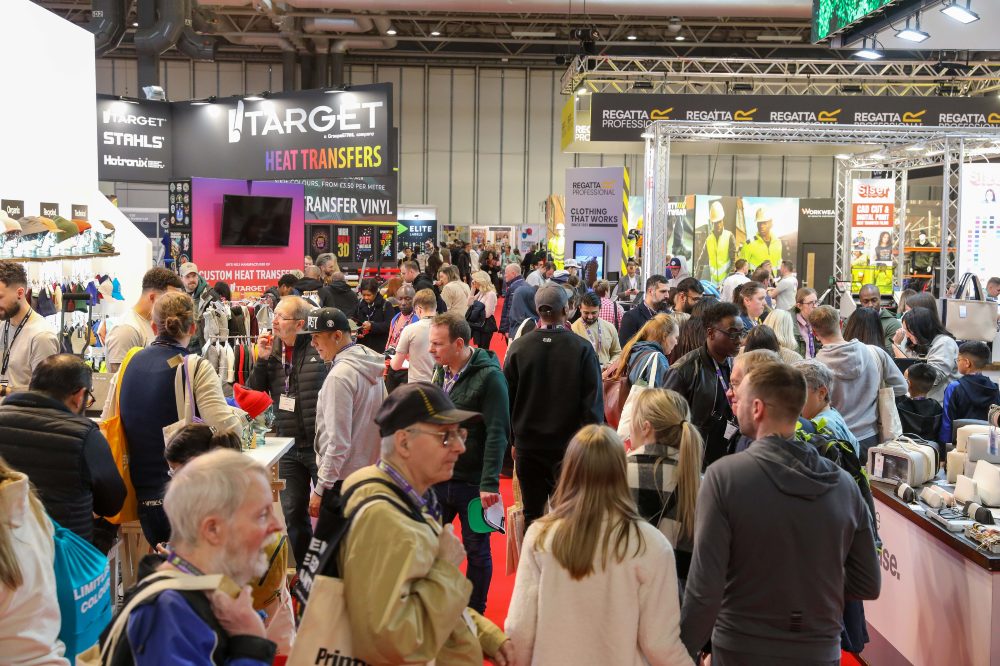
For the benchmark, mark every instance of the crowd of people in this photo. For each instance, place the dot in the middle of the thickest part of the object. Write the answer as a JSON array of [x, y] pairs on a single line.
[[683, 532]]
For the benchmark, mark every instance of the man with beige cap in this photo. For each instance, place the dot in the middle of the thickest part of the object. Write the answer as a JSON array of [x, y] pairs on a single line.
[[720, 245]]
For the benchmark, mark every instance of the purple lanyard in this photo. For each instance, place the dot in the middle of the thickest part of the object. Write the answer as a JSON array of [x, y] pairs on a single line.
[[722, 382], [426, 501], [597, 344], [182, 565]]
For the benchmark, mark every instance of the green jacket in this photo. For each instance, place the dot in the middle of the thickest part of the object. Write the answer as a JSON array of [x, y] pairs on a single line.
[[889, 327], [481, 388]]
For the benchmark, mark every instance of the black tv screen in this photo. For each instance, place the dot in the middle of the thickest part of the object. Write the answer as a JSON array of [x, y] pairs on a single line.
[[255, 221]]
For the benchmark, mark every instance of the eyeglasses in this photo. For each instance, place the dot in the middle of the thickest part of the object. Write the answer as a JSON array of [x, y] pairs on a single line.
[[735, 334], [448, 437], [91, 399], [808, 302], [278, 317]]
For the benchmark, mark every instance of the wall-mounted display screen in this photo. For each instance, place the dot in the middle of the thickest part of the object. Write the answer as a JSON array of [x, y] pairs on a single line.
[[255, 221]]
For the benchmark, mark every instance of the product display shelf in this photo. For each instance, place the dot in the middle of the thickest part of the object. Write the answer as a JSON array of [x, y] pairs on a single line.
[[68, 257]]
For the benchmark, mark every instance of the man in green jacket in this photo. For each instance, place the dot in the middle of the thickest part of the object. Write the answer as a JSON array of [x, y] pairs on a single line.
[[871, 297], [473, 380]]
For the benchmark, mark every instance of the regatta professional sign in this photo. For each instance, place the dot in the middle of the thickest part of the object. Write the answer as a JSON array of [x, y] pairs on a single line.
[[624, 117], [309, 134], [597, 208], [133, 140]]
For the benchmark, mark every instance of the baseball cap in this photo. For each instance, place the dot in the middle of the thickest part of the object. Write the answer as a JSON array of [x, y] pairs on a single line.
[[188, 268], [420, 402], [66, 228], [675, 262], [9, 223], [571, 263], [550, 297], [327, 320]]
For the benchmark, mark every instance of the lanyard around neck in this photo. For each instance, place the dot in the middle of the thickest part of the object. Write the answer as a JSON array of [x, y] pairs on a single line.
[[8, 347]]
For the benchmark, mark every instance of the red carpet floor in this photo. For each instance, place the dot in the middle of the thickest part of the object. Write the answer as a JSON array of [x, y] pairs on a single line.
[[502, 585]]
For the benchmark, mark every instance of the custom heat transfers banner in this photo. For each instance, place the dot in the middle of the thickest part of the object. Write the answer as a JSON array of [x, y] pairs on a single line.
[[979, 227], [596, 205], [301, 135], [624, 117], [873, 203], [371, 198], [134, 140]]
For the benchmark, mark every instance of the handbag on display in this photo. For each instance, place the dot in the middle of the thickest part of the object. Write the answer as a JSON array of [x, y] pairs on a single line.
[[888, 426], [625, 421], [970, 318], [83, 588], [114, 431], [182, 383]]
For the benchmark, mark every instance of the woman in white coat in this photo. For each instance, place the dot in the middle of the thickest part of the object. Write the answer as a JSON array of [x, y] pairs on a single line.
[[594, 553]]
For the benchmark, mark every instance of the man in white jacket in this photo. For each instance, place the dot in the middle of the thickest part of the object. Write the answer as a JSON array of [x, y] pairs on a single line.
[[347, 438]]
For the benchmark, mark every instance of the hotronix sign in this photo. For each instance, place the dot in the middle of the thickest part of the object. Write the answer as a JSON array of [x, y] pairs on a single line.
[[133, 140]]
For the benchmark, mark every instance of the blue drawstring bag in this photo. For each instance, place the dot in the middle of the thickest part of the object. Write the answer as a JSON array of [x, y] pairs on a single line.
[[83, 586]]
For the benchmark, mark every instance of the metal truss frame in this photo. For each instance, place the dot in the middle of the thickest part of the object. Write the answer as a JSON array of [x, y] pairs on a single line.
[[779, 76], [898, 151]]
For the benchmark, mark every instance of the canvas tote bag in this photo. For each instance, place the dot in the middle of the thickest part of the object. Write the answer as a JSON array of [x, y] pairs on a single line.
[[114, 431], [625, 422], [888, 426]]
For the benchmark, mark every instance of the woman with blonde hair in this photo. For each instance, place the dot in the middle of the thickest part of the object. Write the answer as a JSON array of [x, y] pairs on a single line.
[[593, 551], [29, 605], [654, 341], [781, 322], [484, 325], [664, 469]]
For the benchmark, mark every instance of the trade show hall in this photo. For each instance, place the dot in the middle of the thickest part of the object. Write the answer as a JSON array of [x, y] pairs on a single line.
[[520, 332]]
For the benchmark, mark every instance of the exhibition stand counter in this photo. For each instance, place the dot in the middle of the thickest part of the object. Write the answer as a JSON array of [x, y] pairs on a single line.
[[940, 598]]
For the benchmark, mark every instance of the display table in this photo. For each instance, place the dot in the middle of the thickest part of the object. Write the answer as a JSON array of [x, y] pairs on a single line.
[[269, 454], [940, 598]]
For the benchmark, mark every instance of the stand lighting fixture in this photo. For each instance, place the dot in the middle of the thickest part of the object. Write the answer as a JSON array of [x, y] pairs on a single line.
[[843, 156], [390, 31], [866, 52], [631, 38], [582, 90], [257, 98], [958, 13], [913, 34], [679, 38]]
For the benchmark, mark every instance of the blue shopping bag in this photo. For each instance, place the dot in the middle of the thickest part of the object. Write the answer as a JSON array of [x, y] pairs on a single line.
[[83, 586]]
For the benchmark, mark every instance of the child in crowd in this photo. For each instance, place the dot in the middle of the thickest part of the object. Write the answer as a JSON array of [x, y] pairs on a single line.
[[971, 396], [918, 414]]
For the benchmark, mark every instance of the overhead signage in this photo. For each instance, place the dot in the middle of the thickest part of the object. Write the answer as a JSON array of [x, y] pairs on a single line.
[[597, 207], [309, 134], [832, 16], [371, 198], [133, 140], [624, 117], [873, 203]]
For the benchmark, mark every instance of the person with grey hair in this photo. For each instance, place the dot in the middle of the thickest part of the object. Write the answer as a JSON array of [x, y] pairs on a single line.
[[221, 520], [819, 385], [512, 281], [421, 614], [327, 264]]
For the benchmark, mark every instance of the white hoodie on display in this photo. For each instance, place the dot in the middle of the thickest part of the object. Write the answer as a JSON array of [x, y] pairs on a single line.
[[347, 438], [857, 379]]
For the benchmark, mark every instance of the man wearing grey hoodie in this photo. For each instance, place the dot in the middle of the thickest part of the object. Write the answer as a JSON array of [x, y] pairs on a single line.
[[782, 539], [347, 437], [858, 372]]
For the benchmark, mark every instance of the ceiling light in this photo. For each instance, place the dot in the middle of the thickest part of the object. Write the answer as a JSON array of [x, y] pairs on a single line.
[[253, 98], [390, 31], [866, 52], [135, 24], [631, 38], [642, 85], [779, 38], [960, 14], [913, 34], [435, 33], [582, 90], [518, 34], [200, 102], [679, 38], [843, 156]]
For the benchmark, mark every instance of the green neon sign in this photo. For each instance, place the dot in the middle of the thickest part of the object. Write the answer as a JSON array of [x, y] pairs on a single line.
[[831, 16]]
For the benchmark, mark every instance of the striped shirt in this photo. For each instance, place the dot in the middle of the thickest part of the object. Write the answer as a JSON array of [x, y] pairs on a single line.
[[652, 480], [608, 308]]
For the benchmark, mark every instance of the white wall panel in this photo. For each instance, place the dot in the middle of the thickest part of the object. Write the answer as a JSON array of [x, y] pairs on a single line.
[[487, 158], [771, 183], [460, 209], [206, 80], [175, 77], [512, 145], [230, 77], [105, 70], [411, 123], [259, 79], [439, 139]]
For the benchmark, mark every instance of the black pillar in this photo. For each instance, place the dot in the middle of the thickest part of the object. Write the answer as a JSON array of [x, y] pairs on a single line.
[[148, 66], [288, 70]]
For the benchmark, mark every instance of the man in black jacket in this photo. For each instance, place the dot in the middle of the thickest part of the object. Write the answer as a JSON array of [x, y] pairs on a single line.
[[373, 315], [652, 303], [291, 372], [412, 275], [462, 260], [338, 294], [44, 434], [308, 287], [555, 389], [702, 377]]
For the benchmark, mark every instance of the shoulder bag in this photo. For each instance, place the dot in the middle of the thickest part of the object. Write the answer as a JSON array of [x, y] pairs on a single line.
[[616, 390], [970, 318], [83, 588], [647, 379], [114, 431], [888, 426], [183, 379]]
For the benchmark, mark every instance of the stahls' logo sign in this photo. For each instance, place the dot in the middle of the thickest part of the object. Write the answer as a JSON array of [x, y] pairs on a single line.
[[351, 117]]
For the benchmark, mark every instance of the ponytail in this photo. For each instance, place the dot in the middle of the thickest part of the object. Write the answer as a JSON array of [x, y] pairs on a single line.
[[688, 477]]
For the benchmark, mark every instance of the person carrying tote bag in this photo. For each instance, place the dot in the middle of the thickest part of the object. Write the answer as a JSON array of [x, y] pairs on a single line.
[[114, 431], [888, 425], [83, 587]]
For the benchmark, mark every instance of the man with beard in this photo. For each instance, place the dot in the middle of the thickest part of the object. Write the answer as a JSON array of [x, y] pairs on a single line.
[[44, 434], [652, 302], [203, 295], [689, 292], [27, 338], [327, 264], [221, 520]]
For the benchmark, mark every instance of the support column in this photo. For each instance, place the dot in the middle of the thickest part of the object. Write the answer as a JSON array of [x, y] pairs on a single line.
[[337, 70], [306, 69], [148, 66], [288, 71]]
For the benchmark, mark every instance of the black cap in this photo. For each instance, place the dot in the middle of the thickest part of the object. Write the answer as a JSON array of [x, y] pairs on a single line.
[[420, 402], [326, 320]]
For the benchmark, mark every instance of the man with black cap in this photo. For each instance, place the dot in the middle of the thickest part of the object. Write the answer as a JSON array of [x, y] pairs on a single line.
[[346, 436], [419, 613], [555, 389]]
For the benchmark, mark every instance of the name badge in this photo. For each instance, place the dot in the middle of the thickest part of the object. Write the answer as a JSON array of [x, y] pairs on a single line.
[[731, 430], [286, 403]]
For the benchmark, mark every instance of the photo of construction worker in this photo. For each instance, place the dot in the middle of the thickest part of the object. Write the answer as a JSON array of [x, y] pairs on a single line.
[[720, 244], [557, 246], [772, 229]]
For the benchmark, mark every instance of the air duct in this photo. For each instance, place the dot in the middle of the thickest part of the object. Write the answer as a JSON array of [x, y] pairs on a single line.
[[107, 22], [262, 40], [338, 24], [367, 42], [163, 34], [193, 45]]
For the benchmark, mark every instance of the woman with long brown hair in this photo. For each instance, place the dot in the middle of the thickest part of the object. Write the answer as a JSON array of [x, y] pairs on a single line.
[[594, 551], [656, 339], [665, 469]]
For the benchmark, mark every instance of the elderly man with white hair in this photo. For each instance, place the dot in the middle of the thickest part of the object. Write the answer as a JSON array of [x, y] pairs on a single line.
[[819, 385], [221, 518], [407, 600]]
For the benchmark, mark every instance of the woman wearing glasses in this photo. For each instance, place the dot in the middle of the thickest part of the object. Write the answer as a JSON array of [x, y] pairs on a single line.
[[805, 302], [154, 391]]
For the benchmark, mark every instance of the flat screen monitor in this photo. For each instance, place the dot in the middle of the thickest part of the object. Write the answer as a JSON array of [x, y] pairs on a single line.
[[584, 251], [255, 221]]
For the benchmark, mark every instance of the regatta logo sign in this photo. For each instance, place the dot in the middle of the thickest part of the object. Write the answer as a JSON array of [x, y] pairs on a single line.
[[969, 120], [805, 116], [593, 188], [347, 119], [660, 114], [888, 118], [739, 115]]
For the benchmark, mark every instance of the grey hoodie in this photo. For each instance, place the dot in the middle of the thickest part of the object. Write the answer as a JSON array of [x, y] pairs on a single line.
[[857, 379], [347, 438], [782, 539]]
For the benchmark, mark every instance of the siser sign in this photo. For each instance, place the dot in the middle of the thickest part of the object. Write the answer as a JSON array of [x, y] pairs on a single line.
[[133, 140], [311, 134], [624, 117]]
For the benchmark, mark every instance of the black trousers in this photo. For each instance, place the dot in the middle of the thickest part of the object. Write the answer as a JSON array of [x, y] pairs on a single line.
[[537, 472], [298, 469]]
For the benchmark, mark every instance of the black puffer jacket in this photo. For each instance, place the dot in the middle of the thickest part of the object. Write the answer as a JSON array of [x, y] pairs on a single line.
[[306, 378], [338, 294], [66, 458]]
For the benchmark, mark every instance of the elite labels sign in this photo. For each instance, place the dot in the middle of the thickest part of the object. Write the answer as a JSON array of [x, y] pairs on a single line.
[[624, 117]]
